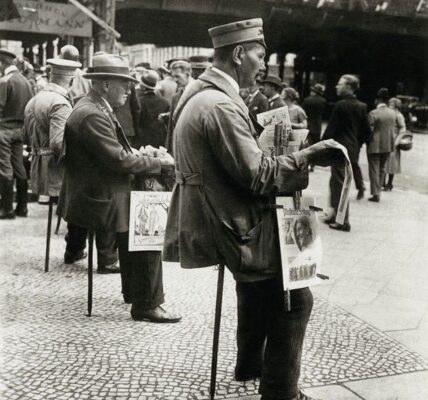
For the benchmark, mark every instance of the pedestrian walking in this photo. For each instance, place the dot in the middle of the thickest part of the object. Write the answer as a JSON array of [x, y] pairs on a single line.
[[15, 93], [348, 124], [383, 122], [393, 166], [314, 106], [95, 195], [220, 211], [272, 87]]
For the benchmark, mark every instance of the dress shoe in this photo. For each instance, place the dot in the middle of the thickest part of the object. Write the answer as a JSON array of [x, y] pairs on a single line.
[[360, 194], [7, 214], [109, 269], [156, 314], [340, 227], [21, 212], [374, 198], [329, 220], [70, 258]]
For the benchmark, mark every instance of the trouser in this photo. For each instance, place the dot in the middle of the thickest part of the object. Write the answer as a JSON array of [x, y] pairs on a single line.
[[336, 182], [271, 338], [358, 176], [6, 193], [105, 241], [377, 171], [141, 273]]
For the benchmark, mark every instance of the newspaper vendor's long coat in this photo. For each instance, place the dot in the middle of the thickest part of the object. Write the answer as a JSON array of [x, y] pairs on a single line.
[[219, 209]]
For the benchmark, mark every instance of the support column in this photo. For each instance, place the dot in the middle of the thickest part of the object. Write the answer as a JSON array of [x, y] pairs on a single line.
[[104, 41]]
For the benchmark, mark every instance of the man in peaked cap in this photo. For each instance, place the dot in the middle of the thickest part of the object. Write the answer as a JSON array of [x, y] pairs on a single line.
[[15, 92], [220, 211], [45, 118], [99, 164], [272, 89]]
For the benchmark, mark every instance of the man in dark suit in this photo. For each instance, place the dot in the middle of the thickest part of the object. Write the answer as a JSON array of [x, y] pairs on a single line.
[[272, 88], [348, 125], [256, 101], [314, 106], [99, 164], [151, 129], [15, 93]]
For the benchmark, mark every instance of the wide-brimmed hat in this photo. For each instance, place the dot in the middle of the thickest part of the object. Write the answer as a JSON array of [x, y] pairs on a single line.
[[150, 79], [318, 89], [60, 66], [109, 66], [7, 53], [273, 80]]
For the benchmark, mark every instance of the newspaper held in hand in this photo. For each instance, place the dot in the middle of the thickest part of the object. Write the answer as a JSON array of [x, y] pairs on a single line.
[[300, 243], [270, 120], [147, 220]]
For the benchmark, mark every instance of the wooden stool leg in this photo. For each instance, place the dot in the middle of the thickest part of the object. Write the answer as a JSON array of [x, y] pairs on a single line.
[[90, 270], [217, 320], [48, 235]]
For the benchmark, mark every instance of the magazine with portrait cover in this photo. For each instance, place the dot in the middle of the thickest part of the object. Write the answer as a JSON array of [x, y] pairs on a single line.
[[300, 243], [147, 220]]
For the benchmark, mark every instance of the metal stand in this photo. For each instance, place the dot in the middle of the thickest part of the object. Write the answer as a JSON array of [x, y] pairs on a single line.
[[217, 320], [48, 234], [90, 270]]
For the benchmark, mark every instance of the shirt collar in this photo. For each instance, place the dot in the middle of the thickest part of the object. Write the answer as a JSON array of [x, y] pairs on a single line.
[[254, 94], [274, 97], [109, 107], [381, 105], [10, 69], [228, 78]]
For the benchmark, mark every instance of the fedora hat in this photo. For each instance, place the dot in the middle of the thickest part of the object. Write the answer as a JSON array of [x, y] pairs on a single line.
[[109, 66], [7, 53], [60, 66], [150, 79], [318, 89], [273, 80]]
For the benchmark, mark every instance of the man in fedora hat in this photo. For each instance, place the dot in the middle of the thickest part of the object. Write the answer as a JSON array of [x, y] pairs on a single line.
[[256, 101], [314, 105], [15, 93], [220, 211], [99, 165], [272, 89], [151, 130]]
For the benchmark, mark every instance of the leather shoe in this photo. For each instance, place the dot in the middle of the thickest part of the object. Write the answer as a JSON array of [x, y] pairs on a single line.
[[374, 198], [21, 213], [70, 258], [109, 269], [329, 220], [360, 194], [157, 314], [340, 227], [7, 215]]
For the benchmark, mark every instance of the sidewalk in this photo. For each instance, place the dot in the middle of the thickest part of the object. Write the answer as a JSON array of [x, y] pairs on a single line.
[[366, 338]]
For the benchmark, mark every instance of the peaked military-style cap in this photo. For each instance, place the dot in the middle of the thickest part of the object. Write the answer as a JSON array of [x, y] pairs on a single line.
[[250, 30], [7, 53], [60, 66]]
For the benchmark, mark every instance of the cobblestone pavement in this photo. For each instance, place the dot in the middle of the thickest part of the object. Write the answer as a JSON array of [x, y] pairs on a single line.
[[51, 350]]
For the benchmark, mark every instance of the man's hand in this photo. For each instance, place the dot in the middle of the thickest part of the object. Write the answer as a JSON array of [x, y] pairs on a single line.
[[325, 153], [166, 160]]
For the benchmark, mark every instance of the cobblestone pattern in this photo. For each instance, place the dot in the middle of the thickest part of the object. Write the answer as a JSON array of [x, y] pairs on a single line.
[[51, 350]]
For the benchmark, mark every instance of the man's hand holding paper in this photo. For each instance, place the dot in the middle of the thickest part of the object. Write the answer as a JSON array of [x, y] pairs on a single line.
[[326, 153]]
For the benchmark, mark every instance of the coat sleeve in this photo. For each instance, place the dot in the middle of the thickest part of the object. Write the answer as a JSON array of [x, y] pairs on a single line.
[[3, 96], [401, 123], [58, 117], [100, 139], [231, 140], [366, 131], [333, 123]]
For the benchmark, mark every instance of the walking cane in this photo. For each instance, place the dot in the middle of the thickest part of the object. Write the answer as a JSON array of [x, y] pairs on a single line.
[[90, 271], [48, 234], [217, 320]]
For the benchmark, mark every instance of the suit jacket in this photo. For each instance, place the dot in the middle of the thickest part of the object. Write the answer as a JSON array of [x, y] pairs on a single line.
[[349, 125], [276, 103], [314, 107], [99, 165], [45, 118], [151, 131], [219, 210], [129, 114], [383, 122], [257, 104], [15, 93]]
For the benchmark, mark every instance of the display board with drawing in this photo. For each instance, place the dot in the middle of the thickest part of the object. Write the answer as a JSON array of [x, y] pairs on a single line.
[[147, 220], [300, 243]]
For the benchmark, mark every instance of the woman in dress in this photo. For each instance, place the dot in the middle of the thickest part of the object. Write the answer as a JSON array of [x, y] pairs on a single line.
[[298, 116], [393, 165]]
